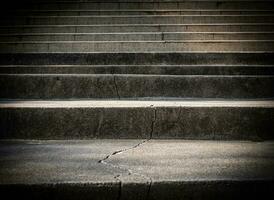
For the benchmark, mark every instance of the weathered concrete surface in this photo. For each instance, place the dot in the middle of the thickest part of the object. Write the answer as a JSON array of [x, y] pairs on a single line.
[[143, 36], [63, 170], [134, 19], [170, 58], [224, 27], [79, 12], [137, 46], [185, 119], [84, 86], [136, 169], [215, 4], [140, 69]]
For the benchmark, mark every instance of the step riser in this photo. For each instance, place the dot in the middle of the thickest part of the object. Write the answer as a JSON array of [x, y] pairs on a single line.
[[136, 20], [163, 190], [130, 86], [135, 58], [171, 123], [141, 28], [146, 12], [135, 46], [168, 70], [150, 5], [139, 37]]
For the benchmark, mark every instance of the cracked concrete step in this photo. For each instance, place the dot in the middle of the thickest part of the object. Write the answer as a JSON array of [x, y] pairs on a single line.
[[224, 27], [155, 58], [59, 86], [134, 12], [188, 119], [102, 5], [140, 69], [136, 46], [137, 36], [135, 19], [214, 170]]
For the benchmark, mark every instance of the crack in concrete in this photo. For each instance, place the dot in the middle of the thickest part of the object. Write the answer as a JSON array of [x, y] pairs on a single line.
[[116, 87], [130, 172], [122, 150], [98, 130], [153, 124]]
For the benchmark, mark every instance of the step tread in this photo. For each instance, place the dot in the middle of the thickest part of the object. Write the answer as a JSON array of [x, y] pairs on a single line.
[[130, 41], [126, 25], [100, 161], [138, 33], [135, 103]]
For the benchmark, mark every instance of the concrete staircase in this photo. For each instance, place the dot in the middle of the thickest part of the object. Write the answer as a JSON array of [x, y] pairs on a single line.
[[88, 89]]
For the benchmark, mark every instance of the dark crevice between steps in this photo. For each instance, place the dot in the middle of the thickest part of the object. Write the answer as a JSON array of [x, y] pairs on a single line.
[[116, 87], [153, 123]]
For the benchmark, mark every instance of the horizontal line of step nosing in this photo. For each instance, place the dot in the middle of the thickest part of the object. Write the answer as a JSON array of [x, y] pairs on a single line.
[[132, 103], [144, 2], [143, 53], [155, 42], [132, 25], [137, 75], [141, 10], [102, 66], [136, 33], [139, 16]]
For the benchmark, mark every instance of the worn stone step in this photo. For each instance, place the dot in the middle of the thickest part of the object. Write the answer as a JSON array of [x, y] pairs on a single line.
[[224, 27], [59, 86], [88, 170], [99, 5], [140, 69], [135, 12], [137, 36], [155, 58], [188, 119], [136, 46], [135, 19]]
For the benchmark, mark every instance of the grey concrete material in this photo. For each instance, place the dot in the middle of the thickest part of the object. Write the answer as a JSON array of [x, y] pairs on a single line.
[[229, 159], [62, 169], [155, 58], [225, 27], [140, 36], [59, 86], [135, 12], [151, 5], [180, 160], [221, 120], [137, 46], [135, 19], [140, 69], [212, 190]]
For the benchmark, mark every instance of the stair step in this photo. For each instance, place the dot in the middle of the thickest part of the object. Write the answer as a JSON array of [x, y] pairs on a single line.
[[188, 119], [147, 36], [224, 27], [136, 46], [213, 170], [140, 69], [155, 58], [59, 86], [136, 12], [99, 5], [135, 19]]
